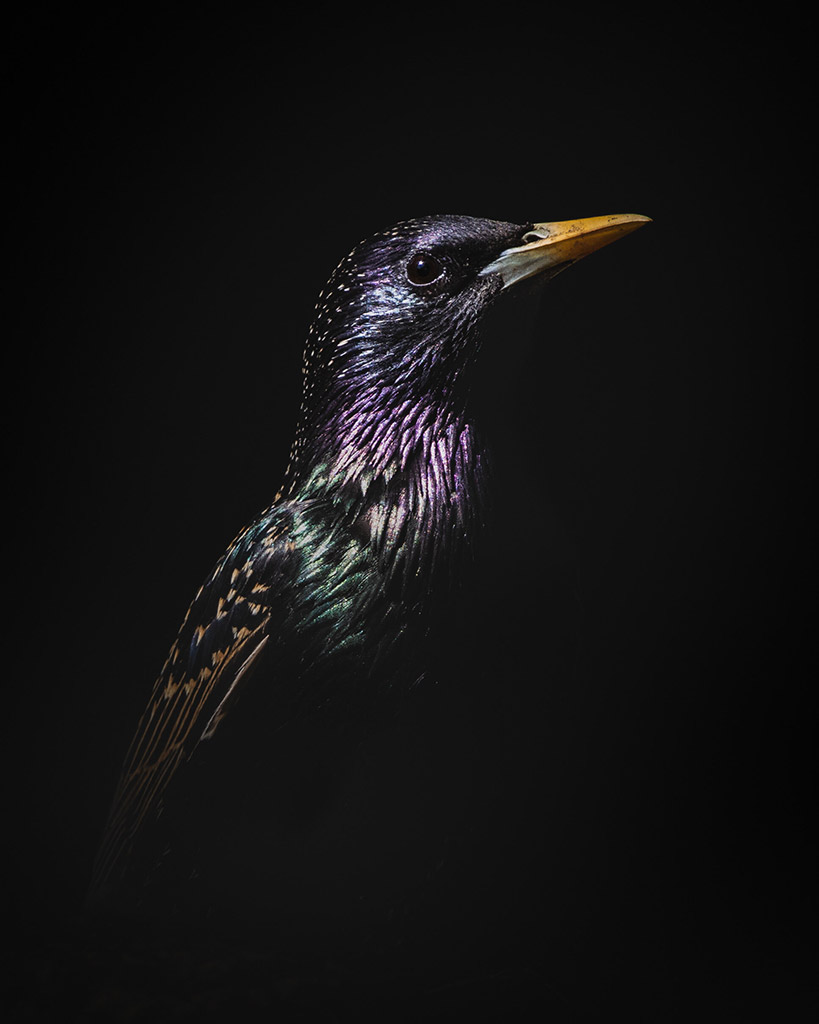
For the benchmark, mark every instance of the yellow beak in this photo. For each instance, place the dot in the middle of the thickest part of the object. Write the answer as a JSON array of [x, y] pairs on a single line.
[[561, 242]]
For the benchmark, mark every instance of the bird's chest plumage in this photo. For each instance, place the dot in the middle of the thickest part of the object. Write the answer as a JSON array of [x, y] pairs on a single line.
[[382, 541], [374, 581]]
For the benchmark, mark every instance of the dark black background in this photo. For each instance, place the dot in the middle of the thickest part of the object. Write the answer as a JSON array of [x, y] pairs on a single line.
[[181, 191]]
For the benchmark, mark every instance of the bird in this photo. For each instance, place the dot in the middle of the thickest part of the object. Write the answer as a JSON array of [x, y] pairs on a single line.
[[341, 667]]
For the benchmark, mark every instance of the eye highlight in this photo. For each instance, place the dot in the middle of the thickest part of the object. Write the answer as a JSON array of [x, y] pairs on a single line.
[[424, 268]]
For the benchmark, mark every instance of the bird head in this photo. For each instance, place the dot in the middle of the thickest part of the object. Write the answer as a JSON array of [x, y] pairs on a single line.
[[397, 327]]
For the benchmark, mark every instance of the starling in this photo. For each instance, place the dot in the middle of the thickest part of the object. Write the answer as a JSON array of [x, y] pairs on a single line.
[[344, 663]]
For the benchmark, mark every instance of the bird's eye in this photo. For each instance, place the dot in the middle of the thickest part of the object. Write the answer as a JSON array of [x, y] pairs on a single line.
[[424, 268]]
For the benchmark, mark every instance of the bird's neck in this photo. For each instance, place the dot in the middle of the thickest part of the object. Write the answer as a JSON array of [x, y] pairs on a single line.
[[412, 484]]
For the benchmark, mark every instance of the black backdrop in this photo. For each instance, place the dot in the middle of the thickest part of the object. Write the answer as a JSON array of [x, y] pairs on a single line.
[[182, 191]]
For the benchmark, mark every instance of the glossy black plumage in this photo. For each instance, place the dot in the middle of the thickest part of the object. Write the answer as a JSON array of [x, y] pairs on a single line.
[[359, 629]]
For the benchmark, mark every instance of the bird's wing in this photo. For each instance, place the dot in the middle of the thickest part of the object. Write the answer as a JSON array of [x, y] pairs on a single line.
[[221, 640]]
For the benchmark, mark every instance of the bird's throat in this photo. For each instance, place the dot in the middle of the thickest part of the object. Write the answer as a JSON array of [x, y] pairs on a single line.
[[412, 488]]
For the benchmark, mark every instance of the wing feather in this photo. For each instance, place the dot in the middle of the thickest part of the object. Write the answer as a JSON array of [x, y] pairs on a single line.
[[226, 629]]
